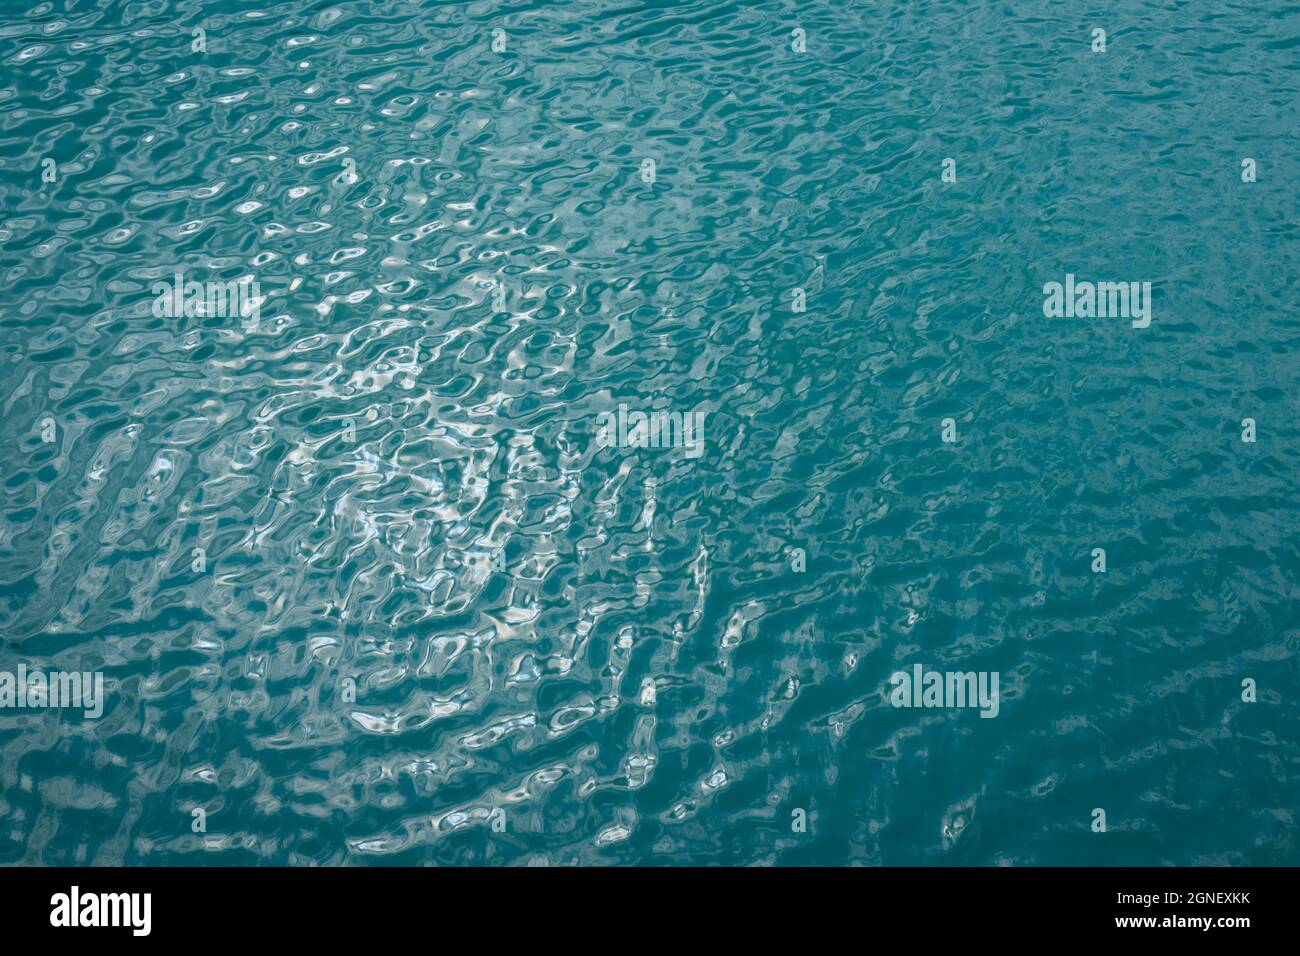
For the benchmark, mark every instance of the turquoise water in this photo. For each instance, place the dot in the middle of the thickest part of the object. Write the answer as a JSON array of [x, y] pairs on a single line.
[[370, 580]]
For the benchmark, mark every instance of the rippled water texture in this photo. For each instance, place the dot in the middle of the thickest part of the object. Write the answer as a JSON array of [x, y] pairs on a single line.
[[365, 586]]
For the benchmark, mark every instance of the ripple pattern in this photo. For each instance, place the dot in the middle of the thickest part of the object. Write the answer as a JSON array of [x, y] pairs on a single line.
[[365, 583]]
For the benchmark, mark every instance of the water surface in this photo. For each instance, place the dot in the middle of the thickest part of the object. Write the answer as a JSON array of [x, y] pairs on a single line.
[[464, 264]]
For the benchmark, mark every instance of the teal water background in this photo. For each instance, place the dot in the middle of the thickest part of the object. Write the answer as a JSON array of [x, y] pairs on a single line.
[[475, 432]]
